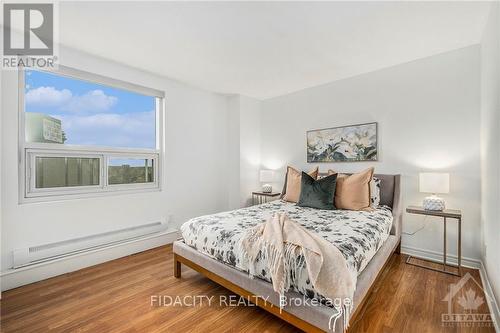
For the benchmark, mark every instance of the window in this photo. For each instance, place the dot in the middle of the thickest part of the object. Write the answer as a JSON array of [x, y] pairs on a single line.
[[83, 134], [130, 171], [54, 171]]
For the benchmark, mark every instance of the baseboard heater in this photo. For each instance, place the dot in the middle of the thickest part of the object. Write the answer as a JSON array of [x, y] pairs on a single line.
[[47, 252]]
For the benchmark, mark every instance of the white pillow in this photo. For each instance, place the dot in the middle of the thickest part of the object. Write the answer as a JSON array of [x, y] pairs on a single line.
[[375, 192]]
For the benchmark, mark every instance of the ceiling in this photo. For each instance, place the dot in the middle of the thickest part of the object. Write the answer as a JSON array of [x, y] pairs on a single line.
[[267, 49]]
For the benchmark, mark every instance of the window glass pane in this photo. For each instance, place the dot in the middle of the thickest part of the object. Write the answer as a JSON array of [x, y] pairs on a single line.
[[66, 171], [130, 171], [64, 110]]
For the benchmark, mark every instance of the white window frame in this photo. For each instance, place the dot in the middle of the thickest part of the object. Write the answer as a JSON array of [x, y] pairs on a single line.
[[28, 151]]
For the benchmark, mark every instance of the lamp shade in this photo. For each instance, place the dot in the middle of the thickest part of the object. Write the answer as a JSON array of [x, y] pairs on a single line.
[[266, 176], [434, 182]]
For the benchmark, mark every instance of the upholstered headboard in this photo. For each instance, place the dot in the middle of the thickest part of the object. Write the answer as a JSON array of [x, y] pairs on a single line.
[[390, 195]]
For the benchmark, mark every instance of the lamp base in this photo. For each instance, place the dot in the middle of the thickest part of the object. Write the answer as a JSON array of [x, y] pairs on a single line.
[[266, 188], [434, 202]]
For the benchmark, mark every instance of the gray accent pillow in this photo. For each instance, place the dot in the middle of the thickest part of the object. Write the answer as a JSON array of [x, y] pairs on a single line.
[[318, 194]]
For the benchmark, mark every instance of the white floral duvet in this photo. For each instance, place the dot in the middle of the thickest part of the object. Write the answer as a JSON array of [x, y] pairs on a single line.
[[357, 234]]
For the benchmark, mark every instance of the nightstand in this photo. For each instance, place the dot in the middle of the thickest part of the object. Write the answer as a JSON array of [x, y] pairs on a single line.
[[445, 214], [263, 197]]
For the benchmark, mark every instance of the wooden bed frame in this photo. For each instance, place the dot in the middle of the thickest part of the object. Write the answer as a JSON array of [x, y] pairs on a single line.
[[281, 313]]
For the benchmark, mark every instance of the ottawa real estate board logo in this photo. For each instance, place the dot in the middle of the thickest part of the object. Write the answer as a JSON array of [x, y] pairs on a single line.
[[29, 35], [466, 304]]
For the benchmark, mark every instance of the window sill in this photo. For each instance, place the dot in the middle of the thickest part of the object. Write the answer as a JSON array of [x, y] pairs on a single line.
[[86, 195]]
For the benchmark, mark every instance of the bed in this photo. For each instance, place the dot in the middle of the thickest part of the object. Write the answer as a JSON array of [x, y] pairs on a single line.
[[366, 239]]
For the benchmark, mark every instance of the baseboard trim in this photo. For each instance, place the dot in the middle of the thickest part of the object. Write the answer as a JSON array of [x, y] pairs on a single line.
[[438, 257], [491, 300], [14, 278]]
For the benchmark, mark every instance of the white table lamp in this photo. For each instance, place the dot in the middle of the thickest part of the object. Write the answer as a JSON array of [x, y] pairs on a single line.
[[433, 182], [266, 176]]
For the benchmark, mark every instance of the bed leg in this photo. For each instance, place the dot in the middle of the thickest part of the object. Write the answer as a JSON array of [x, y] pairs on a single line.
[[398, 248], [177, 267]]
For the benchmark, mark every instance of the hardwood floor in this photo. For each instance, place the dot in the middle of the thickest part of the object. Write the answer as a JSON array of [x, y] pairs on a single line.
[[116, 297]]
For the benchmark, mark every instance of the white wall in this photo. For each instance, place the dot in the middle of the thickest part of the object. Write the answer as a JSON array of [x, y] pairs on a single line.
[[490, 144], [244, 149], [428, 117], [250, 122], [233, 173], [194, 167]]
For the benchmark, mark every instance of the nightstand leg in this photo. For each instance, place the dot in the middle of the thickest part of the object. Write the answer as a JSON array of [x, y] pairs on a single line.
[[460, 246], [444, 245]]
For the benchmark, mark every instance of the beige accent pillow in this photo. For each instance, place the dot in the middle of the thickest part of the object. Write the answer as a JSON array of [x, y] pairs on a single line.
[[293, 180], [353, 192]]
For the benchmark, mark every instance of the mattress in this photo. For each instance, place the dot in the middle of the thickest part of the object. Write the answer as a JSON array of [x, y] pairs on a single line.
[[357, 234]]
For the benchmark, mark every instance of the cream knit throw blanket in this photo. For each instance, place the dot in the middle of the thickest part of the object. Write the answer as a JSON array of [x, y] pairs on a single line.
[[280, 240]]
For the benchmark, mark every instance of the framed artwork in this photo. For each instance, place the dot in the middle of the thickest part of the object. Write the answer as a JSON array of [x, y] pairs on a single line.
[[352, 143]]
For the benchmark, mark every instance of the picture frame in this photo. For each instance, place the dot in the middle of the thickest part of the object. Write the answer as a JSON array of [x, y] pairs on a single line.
[[350, 143]]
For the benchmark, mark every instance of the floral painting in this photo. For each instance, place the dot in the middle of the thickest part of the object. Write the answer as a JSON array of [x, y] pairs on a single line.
[[343, 144]]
